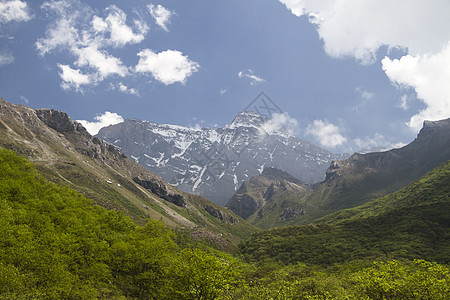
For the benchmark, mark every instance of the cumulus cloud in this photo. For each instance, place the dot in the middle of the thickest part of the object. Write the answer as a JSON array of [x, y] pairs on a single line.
[[429, 76], [280, 123], [359, 28], [73, 78], [115, 30], [106, 119], [161, 15], [89, 38], [168, 66], [327, 134], [251, 75], [101, 61], [14, 10]]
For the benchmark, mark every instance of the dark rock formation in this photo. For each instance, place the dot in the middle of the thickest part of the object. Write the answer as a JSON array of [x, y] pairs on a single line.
[[160, 188], [219, 214]]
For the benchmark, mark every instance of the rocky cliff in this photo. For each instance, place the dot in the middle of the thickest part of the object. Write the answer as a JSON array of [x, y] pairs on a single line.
[[215, 162], [65, 153]]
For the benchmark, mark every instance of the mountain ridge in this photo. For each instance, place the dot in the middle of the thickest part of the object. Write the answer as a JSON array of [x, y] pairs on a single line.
[[215, 162], [64, 152]]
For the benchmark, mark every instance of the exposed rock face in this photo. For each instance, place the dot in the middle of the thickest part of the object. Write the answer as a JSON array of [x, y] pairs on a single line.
[[215, 162], [160, 188], [60, 121], [219, 214], [64, 152], [427, 151], [244, 205], [253, 196]]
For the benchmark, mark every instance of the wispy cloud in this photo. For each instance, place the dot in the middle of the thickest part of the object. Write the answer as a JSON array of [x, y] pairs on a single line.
[[103, 120], [161, 15], [251, 75], [280, 123], [366, 95], [6, 59], [125, 89]]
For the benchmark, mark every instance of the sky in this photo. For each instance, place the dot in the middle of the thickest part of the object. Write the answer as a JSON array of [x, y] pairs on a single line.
[[344, 74]]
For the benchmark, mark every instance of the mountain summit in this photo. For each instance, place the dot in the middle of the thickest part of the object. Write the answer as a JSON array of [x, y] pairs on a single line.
[[215, 162]]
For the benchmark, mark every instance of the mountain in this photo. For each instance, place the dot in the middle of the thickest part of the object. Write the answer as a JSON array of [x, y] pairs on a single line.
[[271, 199], [348, 183], [363, 177], [409, 224], [64, 152], [215, 162]]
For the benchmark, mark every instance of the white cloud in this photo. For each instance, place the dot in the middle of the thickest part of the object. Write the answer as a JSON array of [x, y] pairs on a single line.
[[14, 10], [88, 38], [223, 91], [161, 15], [419, 27], [327, 134], [104, 63], [6, 59], [377, 143], [106, 119], [73, 78], [251, 75], [125, 89], [359, 28], [280, 123], [168, 66], [115, 30], [429, 75]]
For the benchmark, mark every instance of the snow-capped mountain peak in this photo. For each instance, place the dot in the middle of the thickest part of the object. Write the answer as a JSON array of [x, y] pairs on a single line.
[[215, 162]]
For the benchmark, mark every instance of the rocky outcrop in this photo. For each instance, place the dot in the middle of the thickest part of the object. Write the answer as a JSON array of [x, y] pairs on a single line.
[[60, 121], [219, 214], [244, 205], [253, 196], [161, 189], [213, 163]]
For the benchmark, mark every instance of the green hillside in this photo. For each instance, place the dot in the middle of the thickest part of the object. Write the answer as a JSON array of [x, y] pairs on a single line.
[[56, 244], [411, 223]]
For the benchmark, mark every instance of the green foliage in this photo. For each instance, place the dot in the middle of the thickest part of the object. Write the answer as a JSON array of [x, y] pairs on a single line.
[[408, 224], [393, 280], [56, 244]]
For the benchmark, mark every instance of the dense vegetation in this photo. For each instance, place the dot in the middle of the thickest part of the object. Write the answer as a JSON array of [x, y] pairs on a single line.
[[411, 223], [56, 244]]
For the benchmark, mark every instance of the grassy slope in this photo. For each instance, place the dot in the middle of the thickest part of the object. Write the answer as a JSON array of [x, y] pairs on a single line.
[[411, 223], [108, 181]]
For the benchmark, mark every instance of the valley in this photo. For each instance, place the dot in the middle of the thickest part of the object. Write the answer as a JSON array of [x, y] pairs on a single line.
[[113, 230]]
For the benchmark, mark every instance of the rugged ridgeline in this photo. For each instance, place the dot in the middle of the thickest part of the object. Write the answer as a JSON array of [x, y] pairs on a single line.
[[272, 199], [64, 152], [348, 183], [215, 162], [409, 224]]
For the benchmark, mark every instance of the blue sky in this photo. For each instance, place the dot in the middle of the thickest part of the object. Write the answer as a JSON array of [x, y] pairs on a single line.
[[347, 75]]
